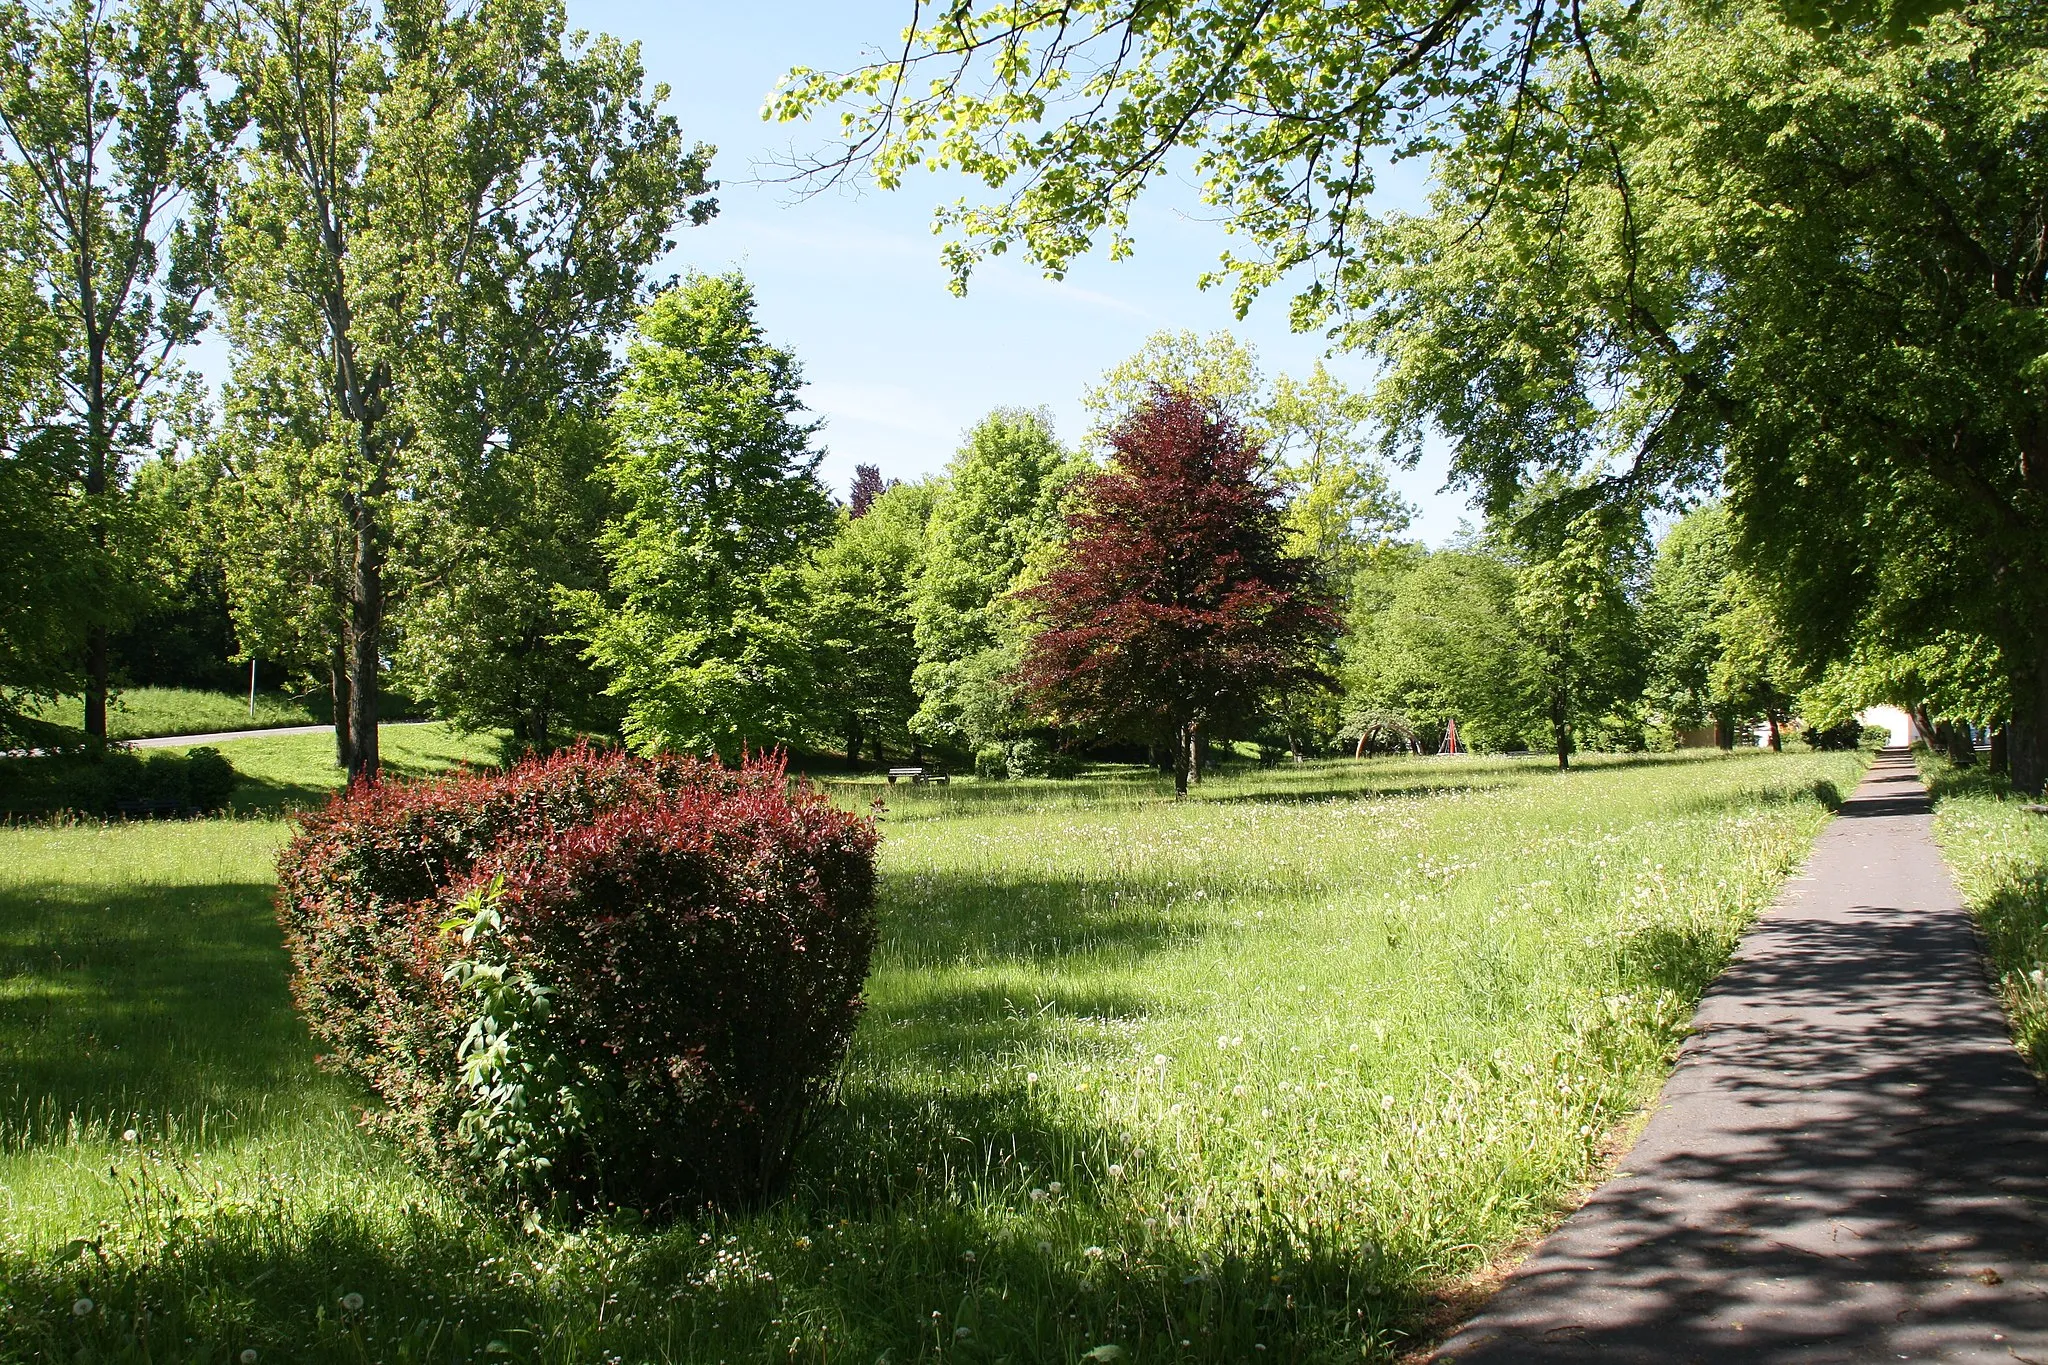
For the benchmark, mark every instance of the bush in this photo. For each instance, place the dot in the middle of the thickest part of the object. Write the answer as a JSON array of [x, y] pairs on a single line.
[[118, 781], [594, 981], [1850, 734], [1033, 757], [992, 764]]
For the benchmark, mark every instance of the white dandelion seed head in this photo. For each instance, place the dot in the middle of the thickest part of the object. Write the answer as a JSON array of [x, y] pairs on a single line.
[[80, 1308], [248, 1356], [1116, 1171], [128, 1136], [352, 1302]]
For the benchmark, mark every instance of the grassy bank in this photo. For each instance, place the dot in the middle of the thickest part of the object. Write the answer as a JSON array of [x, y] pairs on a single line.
[[1236, 1079], [1999, 852], [145, 712]]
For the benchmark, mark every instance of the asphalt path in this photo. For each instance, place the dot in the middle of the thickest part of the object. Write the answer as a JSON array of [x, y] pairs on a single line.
[[224, 736], [1849, 1162]]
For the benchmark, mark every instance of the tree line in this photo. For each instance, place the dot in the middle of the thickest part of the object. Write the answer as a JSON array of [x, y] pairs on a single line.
[[470, 445], [1788, 254]]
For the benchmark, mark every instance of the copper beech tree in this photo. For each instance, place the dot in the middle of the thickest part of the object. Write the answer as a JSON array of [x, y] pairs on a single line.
[[1175, 608]]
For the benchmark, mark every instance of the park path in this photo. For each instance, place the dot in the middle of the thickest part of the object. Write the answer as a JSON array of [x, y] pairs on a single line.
[[1850, 1162], [224, 736]]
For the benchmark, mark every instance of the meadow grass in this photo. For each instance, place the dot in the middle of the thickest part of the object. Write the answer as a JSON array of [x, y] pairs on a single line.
[[1999, 853], [145, 712], [1239, 1078]]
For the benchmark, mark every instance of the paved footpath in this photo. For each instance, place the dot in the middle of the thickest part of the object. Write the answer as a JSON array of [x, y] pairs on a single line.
[[1850, 1162]]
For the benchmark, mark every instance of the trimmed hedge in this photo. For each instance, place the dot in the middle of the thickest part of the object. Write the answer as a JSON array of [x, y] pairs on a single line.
[[593, 981], [117, 782]]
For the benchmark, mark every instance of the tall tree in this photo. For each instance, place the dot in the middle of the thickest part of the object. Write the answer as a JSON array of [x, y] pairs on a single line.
[[446, 216], [1175, 605], [1807, 266], [860, 622], [1576, 611], [114, 146], [998, 507], [720, 506]]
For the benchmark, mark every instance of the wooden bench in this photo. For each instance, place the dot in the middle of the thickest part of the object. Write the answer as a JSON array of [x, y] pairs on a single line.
[[917, 775]]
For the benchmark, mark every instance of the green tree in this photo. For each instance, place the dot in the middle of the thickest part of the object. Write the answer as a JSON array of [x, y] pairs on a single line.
[[703, 635], [1803, 264], [860, 619], [998, 506], [41, 553], [114, 148], [1575, 609], [447, 213]]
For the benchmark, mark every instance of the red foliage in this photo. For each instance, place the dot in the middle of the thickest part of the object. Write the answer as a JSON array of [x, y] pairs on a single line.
[[1178, 605], [703, 934]]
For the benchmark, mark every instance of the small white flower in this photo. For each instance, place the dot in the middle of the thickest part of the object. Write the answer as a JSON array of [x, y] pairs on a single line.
[[128, 1136], [1094, 1253], [352, 1302], [81, 1308], [961, 1333], [248, 1356], [1053, 1187], [1159, 1060], [1038, 1196], [1031, 1078], [1116, 1171]]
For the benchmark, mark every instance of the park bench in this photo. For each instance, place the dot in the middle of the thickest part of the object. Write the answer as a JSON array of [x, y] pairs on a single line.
[[917, 775], [149, 807]]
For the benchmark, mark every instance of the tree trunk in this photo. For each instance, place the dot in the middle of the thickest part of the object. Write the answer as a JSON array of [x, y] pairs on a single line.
[[2026, 742], [1924, 723], [337, 681], [1997, 759], [1195, 744], [1777, 736], [96, 682], [1183, 758], [853, 739], [366, 631], [1961, 744], [1724, 730], [1561, 727]]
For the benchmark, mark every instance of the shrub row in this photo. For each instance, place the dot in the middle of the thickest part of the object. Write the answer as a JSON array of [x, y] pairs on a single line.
[[593, 981], [118, 782]]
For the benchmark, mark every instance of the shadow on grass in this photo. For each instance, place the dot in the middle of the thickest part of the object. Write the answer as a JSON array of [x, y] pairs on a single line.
[[932, 919], [148, 1007]]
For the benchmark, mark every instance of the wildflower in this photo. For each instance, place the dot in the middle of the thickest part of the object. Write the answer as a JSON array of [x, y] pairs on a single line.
[[1031, 1078], [1045, 1248], [961, 1333], [128, 1136], [1159, 1060], [1116, 1171], [1237, 1090], [248, 1356], [81, 1308], [352, 1302], [1054, 1187], [1038, 1196], [1094, 1253]]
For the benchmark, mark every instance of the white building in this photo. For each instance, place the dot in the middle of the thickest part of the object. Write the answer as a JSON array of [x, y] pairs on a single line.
[[1894, 719]]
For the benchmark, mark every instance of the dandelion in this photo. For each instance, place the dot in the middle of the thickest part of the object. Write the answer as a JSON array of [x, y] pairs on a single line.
[[352, 1302], [81, 1308], [248, 1356], [1116, 1171], [961, 1333], [1237, 1090], [1045, 1248], [1038, 1196], [1031, 1078], [1159, 1060], [1094, 1253], [1054, 1187], [128, 1136]]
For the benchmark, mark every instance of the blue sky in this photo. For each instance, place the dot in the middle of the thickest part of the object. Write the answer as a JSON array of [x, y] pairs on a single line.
[[852, 282]]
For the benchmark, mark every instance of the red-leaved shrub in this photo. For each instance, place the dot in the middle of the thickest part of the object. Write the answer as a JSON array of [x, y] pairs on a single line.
[[592, 981]]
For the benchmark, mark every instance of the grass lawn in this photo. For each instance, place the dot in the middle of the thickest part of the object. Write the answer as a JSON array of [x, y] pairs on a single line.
[[1238, 1079], [143, 712], [1999, 853]]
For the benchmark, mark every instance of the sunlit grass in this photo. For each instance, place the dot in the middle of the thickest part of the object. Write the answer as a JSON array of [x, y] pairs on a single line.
[[141, 712], [1999, 851], [1250, 1073]]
